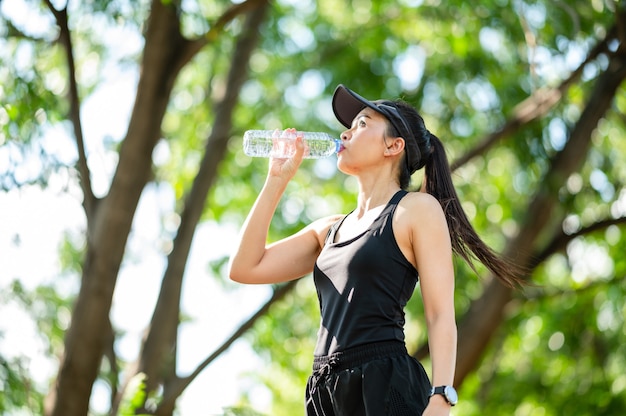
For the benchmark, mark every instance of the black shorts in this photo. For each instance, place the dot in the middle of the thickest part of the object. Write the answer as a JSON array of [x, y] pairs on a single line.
[[378, 379]]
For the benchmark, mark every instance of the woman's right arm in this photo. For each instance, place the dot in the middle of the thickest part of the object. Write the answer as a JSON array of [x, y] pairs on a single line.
[[290, 258]]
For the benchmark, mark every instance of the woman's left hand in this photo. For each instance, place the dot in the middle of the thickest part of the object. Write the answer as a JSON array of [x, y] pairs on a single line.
[[437, 406]]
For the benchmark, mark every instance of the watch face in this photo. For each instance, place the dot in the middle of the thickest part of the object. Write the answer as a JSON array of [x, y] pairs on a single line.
[[451, 395]]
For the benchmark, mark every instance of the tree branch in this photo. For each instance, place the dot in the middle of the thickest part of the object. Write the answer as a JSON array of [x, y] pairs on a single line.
[[533, 107], [65, 39], [561, 239], [621, 25], [539, 295], [194, 46], [279, 293], [531, 44]]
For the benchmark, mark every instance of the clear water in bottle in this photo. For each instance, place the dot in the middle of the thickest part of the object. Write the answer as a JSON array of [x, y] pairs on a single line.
[[281, 144]]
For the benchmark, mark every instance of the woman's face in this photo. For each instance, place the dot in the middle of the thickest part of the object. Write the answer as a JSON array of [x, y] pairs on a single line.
[[364, 143]]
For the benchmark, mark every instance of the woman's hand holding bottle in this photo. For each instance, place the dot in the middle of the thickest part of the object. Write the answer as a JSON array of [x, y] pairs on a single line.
[[286, 168]]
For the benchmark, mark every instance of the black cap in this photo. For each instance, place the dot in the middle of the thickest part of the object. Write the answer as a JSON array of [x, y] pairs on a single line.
[[347, 104]]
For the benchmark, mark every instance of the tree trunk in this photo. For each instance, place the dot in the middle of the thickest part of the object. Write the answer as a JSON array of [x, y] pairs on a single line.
[[106, 242], [157, 358]]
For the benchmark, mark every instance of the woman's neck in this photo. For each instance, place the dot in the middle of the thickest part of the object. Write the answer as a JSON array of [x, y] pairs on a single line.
[[374, 197]]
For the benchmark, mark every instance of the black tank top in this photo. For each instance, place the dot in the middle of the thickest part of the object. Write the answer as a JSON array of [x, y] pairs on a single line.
[[363, 285]]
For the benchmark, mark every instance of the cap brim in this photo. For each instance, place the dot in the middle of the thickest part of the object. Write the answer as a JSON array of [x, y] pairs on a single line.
[[347, 104]]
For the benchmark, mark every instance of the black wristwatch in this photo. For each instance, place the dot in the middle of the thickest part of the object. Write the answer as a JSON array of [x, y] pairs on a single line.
[[447, 392]]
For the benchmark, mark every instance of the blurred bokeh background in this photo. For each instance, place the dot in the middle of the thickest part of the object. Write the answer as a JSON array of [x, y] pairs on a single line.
[[123, 185]]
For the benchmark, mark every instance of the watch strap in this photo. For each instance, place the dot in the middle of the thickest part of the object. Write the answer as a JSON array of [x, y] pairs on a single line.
[[448, 393]]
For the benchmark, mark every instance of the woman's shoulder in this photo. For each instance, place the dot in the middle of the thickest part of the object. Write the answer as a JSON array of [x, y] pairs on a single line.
[[419, 208], [322, 225], [326, 222], [422, 200]]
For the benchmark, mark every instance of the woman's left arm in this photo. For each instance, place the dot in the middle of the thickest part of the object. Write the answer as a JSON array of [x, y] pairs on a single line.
[[430, 240]]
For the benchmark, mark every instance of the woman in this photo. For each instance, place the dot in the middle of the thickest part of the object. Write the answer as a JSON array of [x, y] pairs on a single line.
[[366, 264]]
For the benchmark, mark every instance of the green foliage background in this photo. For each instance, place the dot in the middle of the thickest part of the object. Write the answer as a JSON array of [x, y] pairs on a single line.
[[561, 349]]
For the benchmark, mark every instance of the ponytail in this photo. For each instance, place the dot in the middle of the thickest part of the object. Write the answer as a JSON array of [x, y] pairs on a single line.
[[465, 240], [427, 151]]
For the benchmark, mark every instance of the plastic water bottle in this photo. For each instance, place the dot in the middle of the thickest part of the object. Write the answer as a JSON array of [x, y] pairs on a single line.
[[281, 144]]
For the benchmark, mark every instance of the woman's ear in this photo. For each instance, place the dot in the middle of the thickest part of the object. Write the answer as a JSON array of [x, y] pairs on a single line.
[[395, 147]]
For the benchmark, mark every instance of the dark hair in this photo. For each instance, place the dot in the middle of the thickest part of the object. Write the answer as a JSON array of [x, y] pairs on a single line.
[[438, 182]]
